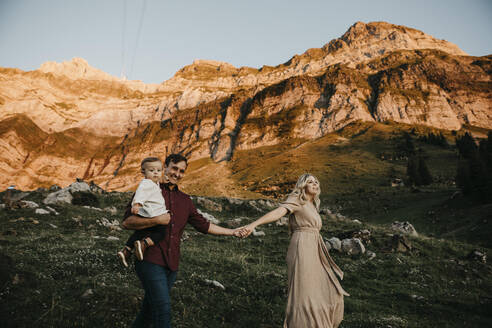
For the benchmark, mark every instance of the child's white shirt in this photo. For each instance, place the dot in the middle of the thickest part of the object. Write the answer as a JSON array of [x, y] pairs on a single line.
[[149, 195]]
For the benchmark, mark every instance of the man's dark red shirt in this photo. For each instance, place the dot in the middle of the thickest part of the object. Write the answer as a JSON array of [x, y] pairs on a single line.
[[166, 253]]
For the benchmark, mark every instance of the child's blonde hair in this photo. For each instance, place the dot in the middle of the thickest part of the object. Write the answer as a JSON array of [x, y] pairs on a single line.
[[149, 160]]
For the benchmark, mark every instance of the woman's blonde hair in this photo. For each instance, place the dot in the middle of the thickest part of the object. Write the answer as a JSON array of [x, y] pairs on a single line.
[[300, 189]]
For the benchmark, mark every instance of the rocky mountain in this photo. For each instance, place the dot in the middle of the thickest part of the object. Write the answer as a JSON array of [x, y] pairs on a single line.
[[71, 120]]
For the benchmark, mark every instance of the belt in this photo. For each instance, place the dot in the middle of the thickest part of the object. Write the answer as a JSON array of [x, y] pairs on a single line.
[[306, 229]]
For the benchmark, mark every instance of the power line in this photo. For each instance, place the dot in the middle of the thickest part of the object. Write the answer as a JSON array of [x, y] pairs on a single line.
[[123, 43], [138, 37]]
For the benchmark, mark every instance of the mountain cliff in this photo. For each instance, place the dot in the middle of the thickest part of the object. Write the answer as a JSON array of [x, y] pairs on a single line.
[[85, 123]]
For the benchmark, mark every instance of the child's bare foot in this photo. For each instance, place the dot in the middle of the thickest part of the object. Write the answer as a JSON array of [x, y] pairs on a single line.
[[141, 246], [124, 255]]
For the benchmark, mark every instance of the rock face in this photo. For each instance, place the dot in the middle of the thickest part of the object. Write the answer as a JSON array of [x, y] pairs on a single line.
[[375, 72]]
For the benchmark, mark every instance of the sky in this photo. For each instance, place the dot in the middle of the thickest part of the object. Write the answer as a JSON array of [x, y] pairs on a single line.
[[149, 40]]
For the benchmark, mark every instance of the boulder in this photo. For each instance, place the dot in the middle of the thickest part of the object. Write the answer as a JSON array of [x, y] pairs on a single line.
[[113, 225], [332, 217], [339, 216], [92, 208], [234, 223], [79, 186], [41, 211], [214, 283], [477, 255], [235, 201], [283, 221], [252, 204], [95, 188], [370, 255], [60, 196], [361, 234], [113, 210], [364, 235], [405, 228], [28, 204], [353, 246], [397, 182], [88, 293], [335, 243], [185, 236], [65, 195], [400, 243], [52, 210], [258, 233], [264, 203]]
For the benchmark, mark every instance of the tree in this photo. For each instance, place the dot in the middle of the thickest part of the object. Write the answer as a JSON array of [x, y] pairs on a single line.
[[466, 145], [424, 173], [463, 177], [474, 174], [413, 171], [408, 147]]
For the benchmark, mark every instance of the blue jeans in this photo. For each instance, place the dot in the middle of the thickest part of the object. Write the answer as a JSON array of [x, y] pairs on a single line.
[[157, 282]]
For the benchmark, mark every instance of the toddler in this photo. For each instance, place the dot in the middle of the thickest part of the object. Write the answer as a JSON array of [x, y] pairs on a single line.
[[147, 202]]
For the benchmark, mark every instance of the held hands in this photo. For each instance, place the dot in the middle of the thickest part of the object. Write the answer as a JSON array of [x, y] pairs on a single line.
[[242, 232], [245, 231], [236, 233]]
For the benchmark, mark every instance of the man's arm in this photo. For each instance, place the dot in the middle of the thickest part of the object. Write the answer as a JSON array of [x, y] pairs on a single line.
[[218, 230], [201, 224], [138, 223]]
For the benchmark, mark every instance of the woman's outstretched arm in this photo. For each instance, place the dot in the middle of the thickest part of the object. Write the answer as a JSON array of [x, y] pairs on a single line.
[[271, 216]]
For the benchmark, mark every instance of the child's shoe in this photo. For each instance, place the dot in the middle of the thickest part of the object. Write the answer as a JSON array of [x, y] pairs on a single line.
[[124, 255], [141, 246]]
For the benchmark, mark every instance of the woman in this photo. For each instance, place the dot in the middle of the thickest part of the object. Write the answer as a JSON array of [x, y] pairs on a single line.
[[315, 296]]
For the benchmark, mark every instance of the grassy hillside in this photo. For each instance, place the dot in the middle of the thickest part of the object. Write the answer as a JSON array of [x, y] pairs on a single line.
[[355, 167], [61, 271]]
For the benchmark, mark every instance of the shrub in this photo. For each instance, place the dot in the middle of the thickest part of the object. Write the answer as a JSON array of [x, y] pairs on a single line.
[[417, 171], [437, 139], [474, 174], [85, 198]]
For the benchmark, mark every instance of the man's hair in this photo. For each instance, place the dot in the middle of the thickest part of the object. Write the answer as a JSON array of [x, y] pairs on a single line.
[[149, 160], [175, 158]]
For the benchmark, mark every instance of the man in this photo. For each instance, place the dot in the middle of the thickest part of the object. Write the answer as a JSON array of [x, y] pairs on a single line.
[[157, 271]]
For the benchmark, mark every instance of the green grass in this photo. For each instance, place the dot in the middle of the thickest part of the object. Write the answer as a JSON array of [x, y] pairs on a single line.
[[46, 270]]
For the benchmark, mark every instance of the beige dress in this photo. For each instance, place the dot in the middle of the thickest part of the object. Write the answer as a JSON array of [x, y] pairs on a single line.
[[315, 295]]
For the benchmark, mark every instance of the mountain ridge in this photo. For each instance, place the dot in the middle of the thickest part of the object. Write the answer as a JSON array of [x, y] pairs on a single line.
[[211, 109]]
